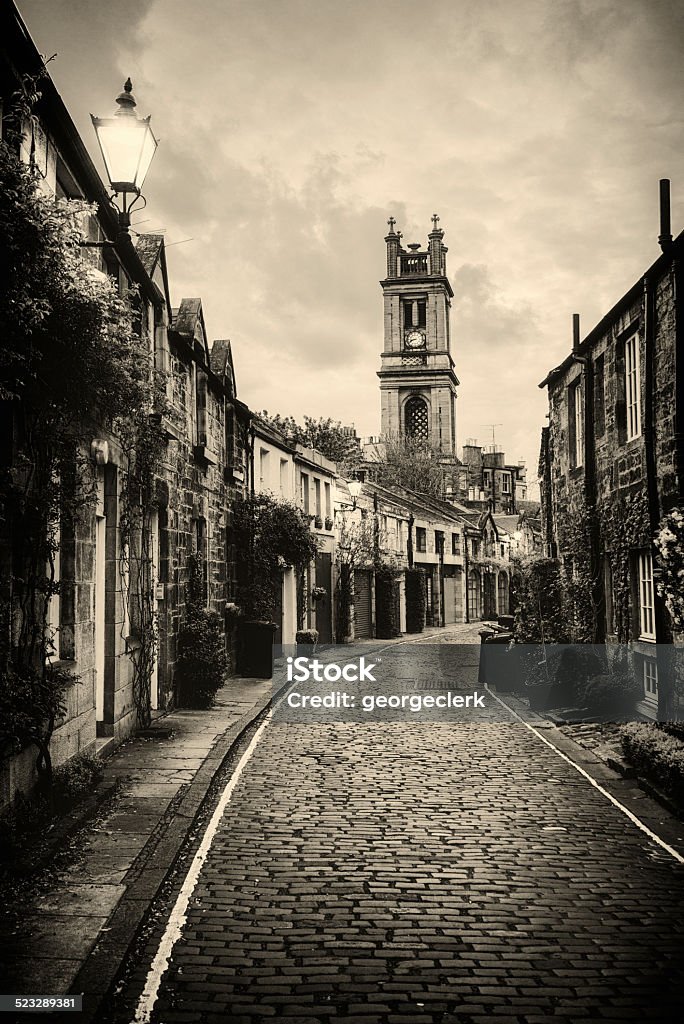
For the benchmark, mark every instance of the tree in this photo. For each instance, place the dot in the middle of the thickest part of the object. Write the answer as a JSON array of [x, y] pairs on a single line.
[[328, 436], [407, 462]]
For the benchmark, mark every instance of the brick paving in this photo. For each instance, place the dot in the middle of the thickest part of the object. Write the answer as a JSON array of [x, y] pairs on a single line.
[[389, 872]]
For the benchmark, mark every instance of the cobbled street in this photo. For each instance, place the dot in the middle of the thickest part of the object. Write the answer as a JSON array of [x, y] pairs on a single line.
[[423, 872]]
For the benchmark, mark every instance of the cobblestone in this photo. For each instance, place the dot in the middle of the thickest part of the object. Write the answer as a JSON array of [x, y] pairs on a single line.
[[446, 871]]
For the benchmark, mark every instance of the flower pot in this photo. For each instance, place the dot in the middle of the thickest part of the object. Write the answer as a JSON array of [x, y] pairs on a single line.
[[318, 523], [255, 658]]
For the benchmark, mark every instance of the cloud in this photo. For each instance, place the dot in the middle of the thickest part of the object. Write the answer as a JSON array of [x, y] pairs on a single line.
[[291, 129]]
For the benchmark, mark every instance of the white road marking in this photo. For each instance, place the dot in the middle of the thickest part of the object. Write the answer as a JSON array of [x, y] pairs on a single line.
[[178, 916], [621, 807]]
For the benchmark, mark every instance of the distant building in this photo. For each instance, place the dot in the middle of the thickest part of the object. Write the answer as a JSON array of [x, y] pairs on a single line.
[[490, 479]]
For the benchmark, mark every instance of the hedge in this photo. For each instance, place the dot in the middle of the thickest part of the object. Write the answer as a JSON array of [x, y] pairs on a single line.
[[657, 754]]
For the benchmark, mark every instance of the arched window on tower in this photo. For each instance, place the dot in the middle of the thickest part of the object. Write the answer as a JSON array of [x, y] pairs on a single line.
[[416, 418]]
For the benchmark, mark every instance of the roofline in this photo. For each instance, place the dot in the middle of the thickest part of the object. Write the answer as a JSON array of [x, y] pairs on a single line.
[[25, 55], [626, 300]]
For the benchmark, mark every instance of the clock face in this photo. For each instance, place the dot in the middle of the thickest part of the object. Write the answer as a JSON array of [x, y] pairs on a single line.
[[416, 339]]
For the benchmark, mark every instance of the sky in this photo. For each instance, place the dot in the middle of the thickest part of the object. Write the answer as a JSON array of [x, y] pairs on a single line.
[[290, 130]]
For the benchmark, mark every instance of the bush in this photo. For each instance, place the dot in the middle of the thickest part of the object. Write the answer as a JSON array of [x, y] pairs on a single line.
[[77, 777], [202, 659], [657, 754], [386, 612], [308, 637], [611, 695], [415, 600]]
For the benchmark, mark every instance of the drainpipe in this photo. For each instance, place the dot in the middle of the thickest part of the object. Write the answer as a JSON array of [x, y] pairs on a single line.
[[465, 571], [664, 659], [589, 454], [409, 542]]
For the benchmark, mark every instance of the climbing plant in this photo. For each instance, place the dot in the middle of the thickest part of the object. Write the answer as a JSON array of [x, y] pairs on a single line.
[[625, 527], [71, 359], [273, 535], [669, 544]]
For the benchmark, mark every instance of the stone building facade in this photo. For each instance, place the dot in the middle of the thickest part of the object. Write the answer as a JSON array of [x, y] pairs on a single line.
[[612, 461], [107, 570]]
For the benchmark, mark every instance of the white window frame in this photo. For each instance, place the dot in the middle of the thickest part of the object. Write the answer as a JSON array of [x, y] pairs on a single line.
[[633, 386], [646, 596], [650, 680], [505, 483]]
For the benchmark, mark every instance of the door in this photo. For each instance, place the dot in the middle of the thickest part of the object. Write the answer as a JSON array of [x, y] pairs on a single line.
[[323, 605], [362, 605], [99, 610], [490, 596], [278, 616], [450, 602]]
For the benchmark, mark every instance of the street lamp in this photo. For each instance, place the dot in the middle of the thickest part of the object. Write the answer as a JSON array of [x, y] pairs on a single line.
[[128, 144]]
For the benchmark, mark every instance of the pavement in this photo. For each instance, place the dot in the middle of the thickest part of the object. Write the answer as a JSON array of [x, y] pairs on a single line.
[[121, 858], [447, 872]]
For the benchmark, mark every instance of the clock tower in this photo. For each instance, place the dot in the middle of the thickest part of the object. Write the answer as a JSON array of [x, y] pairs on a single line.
[[417, 378]]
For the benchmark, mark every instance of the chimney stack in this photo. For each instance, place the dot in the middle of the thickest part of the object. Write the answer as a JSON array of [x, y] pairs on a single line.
[[665, 236], [575, 332]]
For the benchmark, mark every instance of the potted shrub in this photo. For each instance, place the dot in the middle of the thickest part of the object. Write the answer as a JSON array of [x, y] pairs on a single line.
[[318, 593], [329, 523], [306, 642], [202, 660], [318, 523]]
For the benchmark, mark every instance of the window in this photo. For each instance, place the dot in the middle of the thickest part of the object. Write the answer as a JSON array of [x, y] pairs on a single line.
[[414, 313], [263, 468], [317, 496], [633, 387], [576, 420], [439, 542], [416, 418], [283, 477], [305, 492], [421, 538], [506, 483], [650, 681], [645, 584], [474, 548], [328, 501], [487, 479], [455, 544], [502, 550], [201, 407], [599, 397]]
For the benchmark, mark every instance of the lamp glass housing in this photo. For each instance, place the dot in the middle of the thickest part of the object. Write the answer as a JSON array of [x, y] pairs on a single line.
[[355, 488], [128, 145]]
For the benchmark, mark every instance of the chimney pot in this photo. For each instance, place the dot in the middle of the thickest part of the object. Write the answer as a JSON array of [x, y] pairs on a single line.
[[575, 332]]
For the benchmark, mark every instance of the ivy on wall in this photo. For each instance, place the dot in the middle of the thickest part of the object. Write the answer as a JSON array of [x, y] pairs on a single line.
[[71, 361]]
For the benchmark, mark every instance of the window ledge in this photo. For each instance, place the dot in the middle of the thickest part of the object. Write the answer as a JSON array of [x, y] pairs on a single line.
[[204, 454]]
